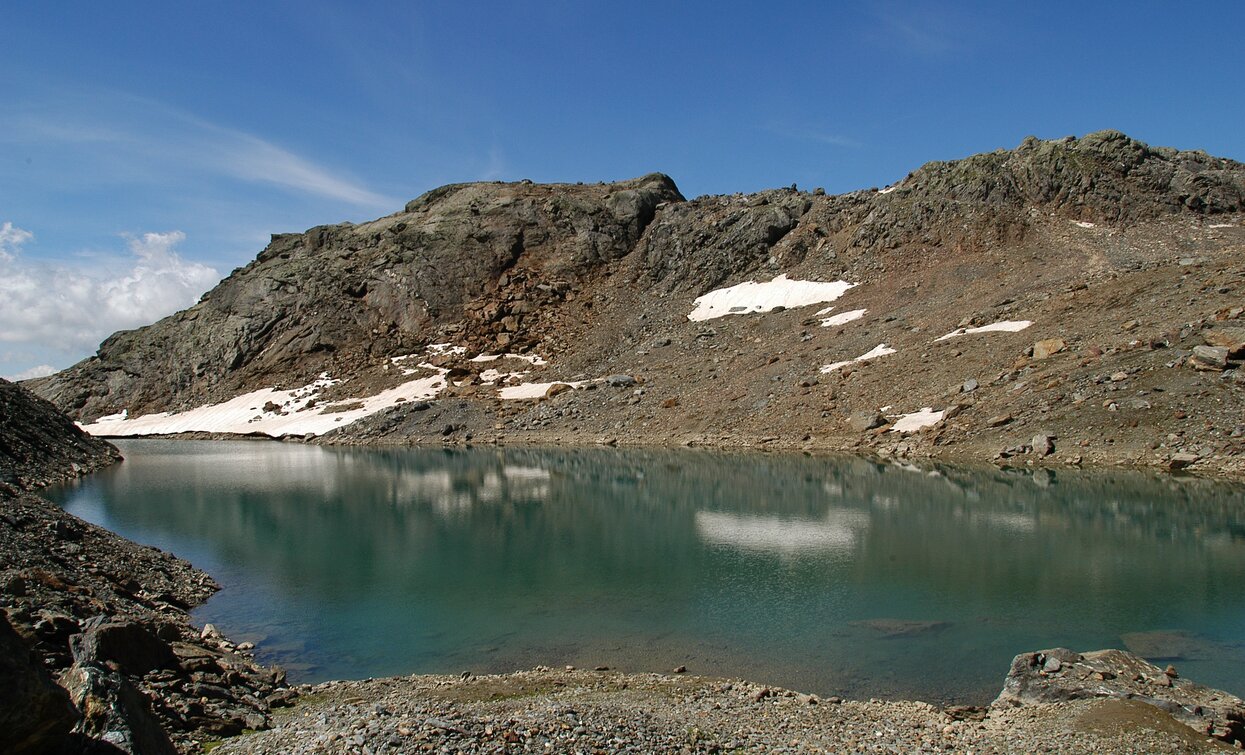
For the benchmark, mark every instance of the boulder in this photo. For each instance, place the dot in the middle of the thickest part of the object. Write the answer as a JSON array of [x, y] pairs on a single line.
[[1209, 358], [866, 420], [556, 388], [620, 381], [114, 711], [132, 647], [1048, 347], [1051, 676], [35, 714], [1043, 445], [1232, 339]]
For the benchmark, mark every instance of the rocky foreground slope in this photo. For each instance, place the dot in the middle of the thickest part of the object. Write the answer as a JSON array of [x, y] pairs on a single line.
[[1068, 301], [1054, 701], [97, 653]]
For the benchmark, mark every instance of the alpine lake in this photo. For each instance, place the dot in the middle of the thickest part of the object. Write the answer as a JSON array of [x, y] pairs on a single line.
[[829, 575]]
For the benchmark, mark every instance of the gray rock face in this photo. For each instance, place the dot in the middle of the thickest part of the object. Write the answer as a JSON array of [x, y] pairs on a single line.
[[35, 714], [1061, 674], [39, 445], [340, 296]]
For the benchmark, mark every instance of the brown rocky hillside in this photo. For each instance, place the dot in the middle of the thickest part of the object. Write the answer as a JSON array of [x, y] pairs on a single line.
[[1127, 259]]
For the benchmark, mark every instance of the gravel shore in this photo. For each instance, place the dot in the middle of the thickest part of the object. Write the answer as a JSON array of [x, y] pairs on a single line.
[[579, 711]]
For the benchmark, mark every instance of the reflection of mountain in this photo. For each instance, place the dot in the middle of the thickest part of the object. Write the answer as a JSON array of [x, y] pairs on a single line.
[[446, 553]]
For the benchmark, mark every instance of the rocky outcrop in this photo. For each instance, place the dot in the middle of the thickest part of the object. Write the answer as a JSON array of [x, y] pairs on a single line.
[[40, 445], [1059, 675], [341, 297], [35, 714]]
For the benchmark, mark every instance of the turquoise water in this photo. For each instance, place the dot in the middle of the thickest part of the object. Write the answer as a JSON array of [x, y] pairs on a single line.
[[834, 576]]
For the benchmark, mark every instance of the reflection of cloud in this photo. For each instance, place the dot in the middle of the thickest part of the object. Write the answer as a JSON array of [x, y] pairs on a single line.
[[773, 534], [1004, 521]]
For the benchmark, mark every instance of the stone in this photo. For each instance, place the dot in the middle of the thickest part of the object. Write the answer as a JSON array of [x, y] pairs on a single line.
[[556, 388], [1043, 445], [999, 420], [620, 381], [1209, 358], [1232, 339], [1048, 347], [131, 646], [1116, 674], [969, 386], [892, 628], [1182, 460], [865, 420], [36, 715], [114, 711]]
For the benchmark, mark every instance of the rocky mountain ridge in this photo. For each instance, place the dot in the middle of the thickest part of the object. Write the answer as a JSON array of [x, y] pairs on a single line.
[[1125, 254]]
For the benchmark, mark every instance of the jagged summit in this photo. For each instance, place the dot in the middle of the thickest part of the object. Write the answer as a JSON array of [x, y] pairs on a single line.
[[579, 281]]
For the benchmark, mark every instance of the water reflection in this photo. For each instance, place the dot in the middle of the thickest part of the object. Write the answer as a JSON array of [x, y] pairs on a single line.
[[822, 574]]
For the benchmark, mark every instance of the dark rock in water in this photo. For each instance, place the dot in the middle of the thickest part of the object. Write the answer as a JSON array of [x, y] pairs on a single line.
[[35, 714], [129, 645], [114, 711], [891, 628], [1172, 645], [1060, 674]]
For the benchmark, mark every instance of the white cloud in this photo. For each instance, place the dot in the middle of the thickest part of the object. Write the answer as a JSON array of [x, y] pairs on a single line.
[[12, 237], [66, 309], [42, 370]]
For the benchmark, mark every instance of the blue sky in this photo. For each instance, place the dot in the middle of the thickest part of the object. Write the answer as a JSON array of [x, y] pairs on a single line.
[[146, 149]]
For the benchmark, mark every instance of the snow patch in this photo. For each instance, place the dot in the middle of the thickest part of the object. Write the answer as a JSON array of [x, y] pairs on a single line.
[[843, 318], [880, 350], [888, 189], [533, 390], [1083, 223], [910, 423], [445, 348], [1009, 326], [1220, 225], [245, 414], [750, 297], [531, 359]]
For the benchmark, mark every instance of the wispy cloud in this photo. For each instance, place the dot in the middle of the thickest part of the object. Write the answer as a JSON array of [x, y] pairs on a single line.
[[806, 134], [148, 141], [253, 159], [73, 309], [926, 31]]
